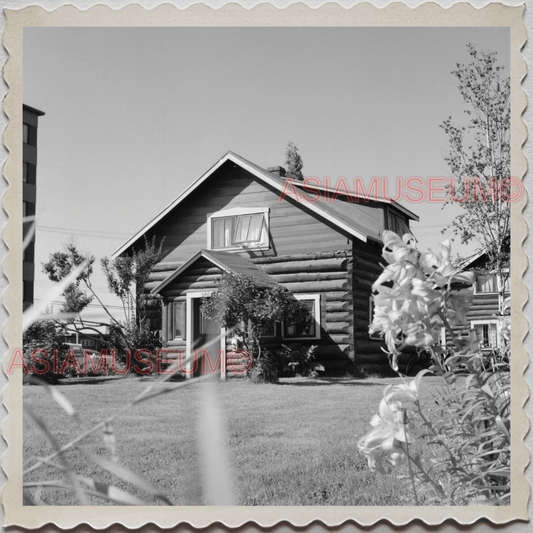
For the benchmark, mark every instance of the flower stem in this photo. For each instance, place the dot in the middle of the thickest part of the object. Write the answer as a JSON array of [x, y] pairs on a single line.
[[411, 471], [449, 329]]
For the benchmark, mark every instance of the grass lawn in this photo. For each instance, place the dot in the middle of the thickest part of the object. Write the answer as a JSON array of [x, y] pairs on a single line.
[[294, 443]]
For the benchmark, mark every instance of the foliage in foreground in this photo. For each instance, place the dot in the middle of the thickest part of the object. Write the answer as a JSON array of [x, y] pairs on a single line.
[[239, 304], [467, 427]]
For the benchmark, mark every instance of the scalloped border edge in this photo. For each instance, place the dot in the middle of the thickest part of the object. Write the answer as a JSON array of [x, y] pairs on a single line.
[[396, 14]]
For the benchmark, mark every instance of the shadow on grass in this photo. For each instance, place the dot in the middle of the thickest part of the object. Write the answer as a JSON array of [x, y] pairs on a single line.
[[89, 380], [311, 382]]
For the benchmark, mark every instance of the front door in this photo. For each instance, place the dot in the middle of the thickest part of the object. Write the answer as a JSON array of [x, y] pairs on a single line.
[[205, 339]]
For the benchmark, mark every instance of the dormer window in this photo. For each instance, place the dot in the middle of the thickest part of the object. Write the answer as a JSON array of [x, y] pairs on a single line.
[[239, 228]]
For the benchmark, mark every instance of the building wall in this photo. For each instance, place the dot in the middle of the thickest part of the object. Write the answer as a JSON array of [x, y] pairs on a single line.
[[30, 119]]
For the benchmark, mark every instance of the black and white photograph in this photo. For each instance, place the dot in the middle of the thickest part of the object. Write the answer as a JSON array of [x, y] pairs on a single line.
[[268, 266]]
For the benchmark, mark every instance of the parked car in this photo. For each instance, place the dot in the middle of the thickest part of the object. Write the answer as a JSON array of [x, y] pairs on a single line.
[[92, 355]]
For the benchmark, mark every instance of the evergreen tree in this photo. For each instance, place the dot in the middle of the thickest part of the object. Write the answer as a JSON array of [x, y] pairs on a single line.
[[293, 162]]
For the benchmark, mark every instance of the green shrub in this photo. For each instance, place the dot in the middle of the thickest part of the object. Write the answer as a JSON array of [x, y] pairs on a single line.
[[43, 342], [266, 368]]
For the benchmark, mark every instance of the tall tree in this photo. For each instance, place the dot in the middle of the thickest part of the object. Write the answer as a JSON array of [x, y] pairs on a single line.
[[293, 162], [479, 155], [127, 276], [59, 266]]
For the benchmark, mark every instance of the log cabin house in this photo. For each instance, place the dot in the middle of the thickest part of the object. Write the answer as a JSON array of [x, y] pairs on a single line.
[[483, 315], [238, 217]]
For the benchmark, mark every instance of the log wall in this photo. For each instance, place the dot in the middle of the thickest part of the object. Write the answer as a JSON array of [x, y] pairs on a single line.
[[366, 268], [326, 274]]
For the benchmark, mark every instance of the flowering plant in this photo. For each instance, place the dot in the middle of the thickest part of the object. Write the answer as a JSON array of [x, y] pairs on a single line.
[[466, 430]]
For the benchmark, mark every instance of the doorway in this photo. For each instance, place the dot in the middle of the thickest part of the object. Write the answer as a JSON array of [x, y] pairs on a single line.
[[205, 339]]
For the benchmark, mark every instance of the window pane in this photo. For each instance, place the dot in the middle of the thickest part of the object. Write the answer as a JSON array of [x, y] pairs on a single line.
[[241, 231], [26, 134], [305, 327], [248, 228], [25, 172], [178, 321], [486, 335], [222, 231], [486, 283], [256, 225]]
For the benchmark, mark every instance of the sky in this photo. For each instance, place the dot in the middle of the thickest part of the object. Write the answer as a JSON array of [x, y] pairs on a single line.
[[135, 115]]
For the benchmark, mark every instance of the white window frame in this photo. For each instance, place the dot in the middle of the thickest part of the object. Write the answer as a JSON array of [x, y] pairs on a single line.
[[316, 336], [474, 323], [497, 279], [171, 320], [264, 243]]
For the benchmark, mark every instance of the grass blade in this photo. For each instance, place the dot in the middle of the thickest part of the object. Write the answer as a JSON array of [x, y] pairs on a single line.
[[57, 396], [126, 475], [44, 429], [111, 493], [110, 442]]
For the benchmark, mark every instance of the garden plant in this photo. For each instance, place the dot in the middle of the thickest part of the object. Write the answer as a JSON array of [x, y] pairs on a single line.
[[465, 430]]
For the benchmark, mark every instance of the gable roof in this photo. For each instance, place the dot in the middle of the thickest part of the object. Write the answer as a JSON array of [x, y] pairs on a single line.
[[335, 215], [232, 263]]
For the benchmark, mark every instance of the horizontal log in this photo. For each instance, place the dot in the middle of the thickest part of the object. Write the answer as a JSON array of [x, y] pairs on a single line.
[[373, 359], [486, 296], [364, 264], [301, 257], [203, 271], [339, 338], [361, 294], [167, 266], [336, 306], [365, 275], [485, 307], [332, 349], [309, 276], [337, 296], [360, 284], [361, 334], [159, 276], [312, 265], [338, 327], [479, 315], [317, 286], [175, 289], [367, 346], [376, 258], [192, 279], [338, 317], [360, 324]]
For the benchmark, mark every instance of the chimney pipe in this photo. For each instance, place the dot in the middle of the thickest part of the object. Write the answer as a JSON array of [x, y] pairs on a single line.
[[279, 171]]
